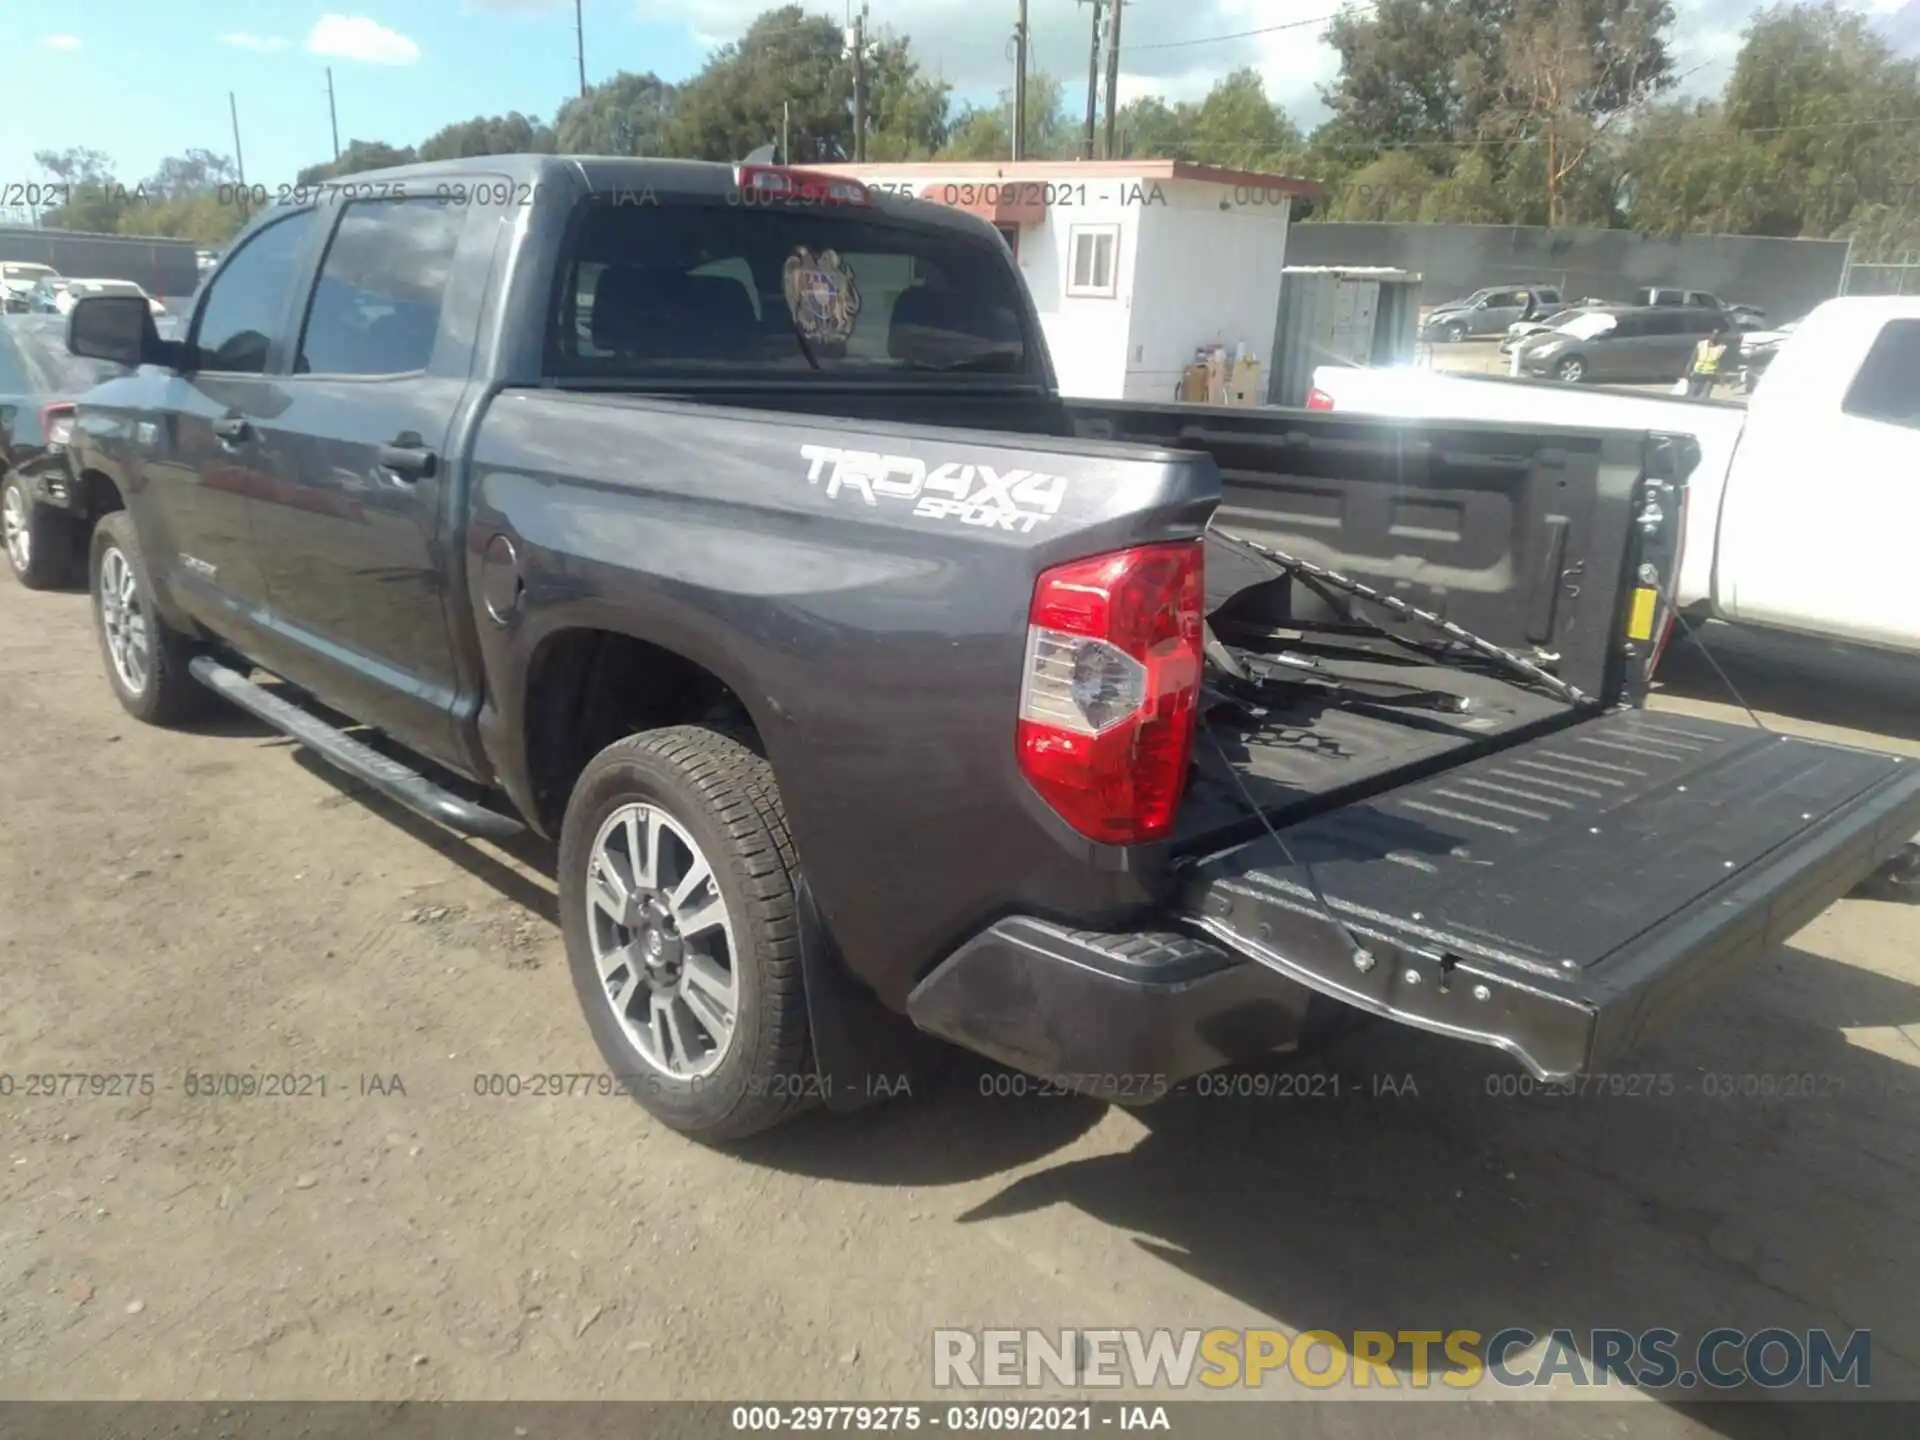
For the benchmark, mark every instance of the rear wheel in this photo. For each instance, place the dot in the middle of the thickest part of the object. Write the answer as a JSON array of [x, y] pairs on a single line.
[[40, 541], [1571, 370], [146, 660], [677, 880]]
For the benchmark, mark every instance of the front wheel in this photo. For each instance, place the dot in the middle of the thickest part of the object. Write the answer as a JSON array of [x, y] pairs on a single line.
[[677, 879], [146, 659], [1571, 370], [1454, 334], [39, 540]]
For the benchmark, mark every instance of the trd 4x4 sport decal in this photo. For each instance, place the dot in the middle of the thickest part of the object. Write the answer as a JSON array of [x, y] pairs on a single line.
[[972, 494]]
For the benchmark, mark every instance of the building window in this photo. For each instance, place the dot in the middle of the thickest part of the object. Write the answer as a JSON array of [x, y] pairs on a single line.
[[1010, 234], [1093, 253]]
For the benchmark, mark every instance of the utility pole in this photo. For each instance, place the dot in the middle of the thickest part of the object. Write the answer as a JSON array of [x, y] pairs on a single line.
[[786, 117], [1114, 7], [580, 47], [1020, 84], [1093, 82], [333, 114], [239, 160], [860, 84]]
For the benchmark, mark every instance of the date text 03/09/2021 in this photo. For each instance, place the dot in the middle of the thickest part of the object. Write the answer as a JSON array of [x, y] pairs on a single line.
[[990, 1419]]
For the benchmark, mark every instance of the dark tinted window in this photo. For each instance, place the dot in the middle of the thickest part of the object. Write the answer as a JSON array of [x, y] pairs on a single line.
[[247, 302], [1888, 385], [376, 307], [1505, 298], [1628, 327], [706, 287], [1673, 322]]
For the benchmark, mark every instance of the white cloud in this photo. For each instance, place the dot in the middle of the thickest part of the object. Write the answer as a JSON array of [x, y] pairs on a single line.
[[61, 42], [261, 44], [355, 37]]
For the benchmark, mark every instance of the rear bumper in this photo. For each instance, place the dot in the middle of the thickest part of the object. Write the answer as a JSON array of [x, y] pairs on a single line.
[[1123, 1017]]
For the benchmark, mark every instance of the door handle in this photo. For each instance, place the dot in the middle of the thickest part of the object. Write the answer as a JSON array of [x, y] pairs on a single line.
[[407, 458], [232, 429]]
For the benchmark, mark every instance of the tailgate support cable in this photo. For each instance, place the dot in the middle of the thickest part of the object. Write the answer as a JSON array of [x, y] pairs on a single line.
[[1316, 575]]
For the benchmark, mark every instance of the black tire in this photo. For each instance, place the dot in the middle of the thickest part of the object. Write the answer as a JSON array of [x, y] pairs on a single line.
[[51, 539], [167, 694], [1571, 371], [1454, 334], [723, 795]]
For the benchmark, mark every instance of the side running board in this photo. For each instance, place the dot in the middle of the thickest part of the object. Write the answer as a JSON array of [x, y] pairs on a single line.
[[392, 779]]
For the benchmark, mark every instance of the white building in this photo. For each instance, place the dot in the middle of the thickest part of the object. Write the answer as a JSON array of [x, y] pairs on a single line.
[[1133, 264]]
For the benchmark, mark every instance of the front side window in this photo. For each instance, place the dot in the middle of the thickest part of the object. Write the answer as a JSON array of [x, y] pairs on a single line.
[[1888, 385], [247, 303], [710, 288], [376, 306], [1093, 254]]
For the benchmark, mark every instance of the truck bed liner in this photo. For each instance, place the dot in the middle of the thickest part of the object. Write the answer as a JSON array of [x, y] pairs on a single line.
[[1549, 898]]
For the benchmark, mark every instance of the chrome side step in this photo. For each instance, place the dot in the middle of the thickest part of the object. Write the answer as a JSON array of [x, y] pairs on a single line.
[[396, 781]]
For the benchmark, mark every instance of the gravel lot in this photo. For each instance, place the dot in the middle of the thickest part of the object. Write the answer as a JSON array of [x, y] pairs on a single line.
[[214, 901]]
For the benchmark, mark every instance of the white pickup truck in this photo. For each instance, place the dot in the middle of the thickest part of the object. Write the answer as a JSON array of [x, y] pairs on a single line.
[[1803, 512]]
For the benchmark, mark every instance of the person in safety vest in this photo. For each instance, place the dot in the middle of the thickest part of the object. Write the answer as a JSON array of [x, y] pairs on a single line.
[[1705, 369]]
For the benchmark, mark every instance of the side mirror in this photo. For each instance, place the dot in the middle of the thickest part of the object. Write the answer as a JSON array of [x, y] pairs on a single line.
[[118, 328]]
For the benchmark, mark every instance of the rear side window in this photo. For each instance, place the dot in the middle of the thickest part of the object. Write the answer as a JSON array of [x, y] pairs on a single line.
[[716, 288], [248, 301], [376, 306], [1888, 385]]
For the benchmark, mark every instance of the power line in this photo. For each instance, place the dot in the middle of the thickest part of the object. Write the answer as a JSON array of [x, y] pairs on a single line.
[[1249, 34]]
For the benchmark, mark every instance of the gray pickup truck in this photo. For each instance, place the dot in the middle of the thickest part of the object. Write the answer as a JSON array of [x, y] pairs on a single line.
[[726, 524]]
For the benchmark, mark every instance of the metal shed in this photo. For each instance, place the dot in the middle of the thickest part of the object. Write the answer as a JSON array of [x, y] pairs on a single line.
[[1340, 315]]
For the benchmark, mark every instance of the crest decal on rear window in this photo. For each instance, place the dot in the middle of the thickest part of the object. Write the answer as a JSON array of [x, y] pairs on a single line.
[[821, 294]]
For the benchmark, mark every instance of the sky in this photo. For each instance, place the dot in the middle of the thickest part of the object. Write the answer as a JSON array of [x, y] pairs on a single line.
[[142, 79]]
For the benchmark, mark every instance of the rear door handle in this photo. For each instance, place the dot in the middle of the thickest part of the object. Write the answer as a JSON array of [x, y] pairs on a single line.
[[408, 458], [232, 429]]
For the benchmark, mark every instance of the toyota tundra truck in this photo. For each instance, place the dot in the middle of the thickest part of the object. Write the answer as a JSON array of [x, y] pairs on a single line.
[[725, 525]]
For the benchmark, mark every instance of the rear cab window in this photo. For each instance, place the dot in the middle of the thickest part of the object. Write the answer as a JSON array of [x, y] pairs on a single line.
[[1888, 385], [708, 288]]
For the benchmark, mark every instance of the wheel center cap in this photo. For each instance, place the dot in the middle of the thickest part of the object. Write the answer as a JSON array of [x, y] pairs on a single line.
[[656, 947]]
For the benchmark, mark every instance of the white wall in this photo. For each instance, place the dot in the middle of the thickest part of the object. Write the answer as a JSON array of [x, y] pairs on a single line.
[[1206, 276], [1086, 335]]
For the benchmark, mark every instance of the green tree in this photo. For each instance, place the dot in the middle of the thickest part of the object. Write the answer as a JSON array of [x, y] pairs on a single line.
[[359, 157], [1238, 126], [734, 105], [624, 115], [509, 134], [1394, 187], [95, 196], [986, 133]]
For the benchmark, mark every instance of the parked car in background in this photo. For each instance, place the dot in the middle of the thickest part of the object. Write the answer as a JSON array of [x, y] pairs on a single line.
[[74, 289], [1488, 312], [44, 298], [17, 281], [1638, 343], [1757, 349], [45, 515], [1521, 329], [1744, 317]]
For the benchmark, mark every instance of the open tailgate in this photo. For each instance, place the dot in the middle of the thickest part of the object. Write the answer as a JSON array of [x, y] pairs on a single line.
[[1554, 899]]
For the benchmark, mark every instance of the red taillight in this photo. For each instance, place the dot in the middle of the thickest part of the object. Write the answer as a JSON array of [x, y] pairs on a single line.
[[1318, 399], [1112, 687], [778, 182], [56, 422]]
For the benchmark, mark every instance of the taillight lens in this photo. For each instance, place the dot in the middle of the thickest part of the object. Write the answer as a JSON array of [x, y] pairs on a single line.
[[56, 423], [1318, 399], [1112, 688]]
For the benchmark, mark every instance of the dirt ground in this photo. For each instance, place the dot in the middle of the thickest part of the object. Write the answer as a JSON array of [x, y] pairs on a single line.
[[184, 903]]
